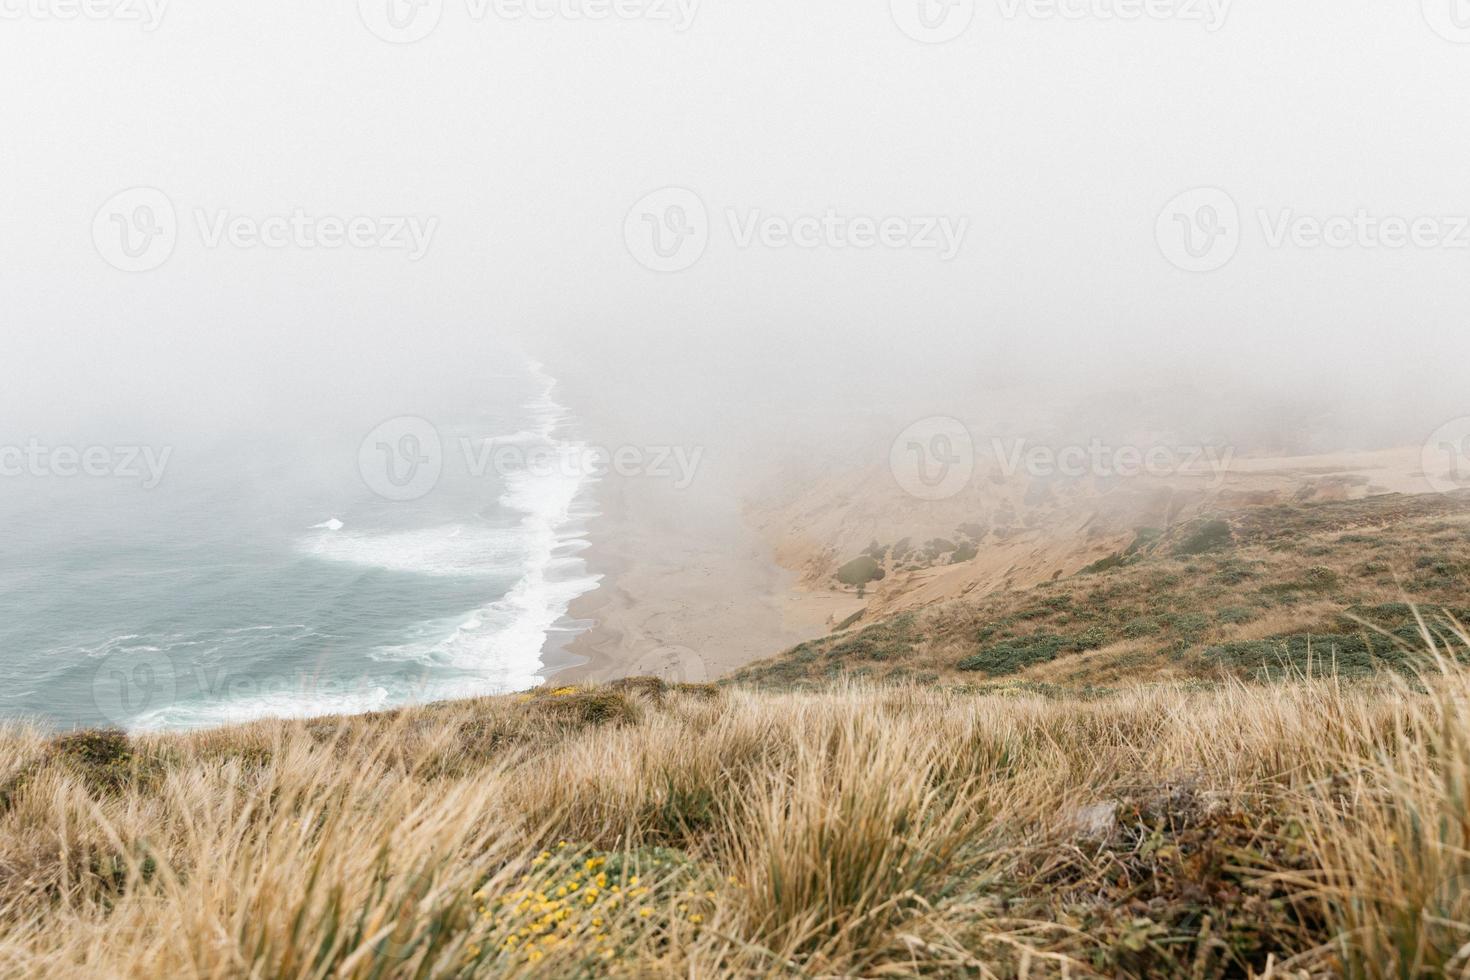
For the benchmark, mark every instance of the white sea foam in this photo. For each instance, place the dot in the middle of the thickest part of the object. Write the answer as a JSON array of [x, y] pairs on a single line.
[[454, 549], [524, 437], [494, 649], [501, 645], [286, 703], [102, 649], [209, 634]]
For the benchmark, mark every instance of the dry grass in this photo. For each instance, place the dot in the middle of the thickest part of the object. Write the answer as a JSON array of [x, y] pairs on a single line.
[[1297, 829], [1287, 576]]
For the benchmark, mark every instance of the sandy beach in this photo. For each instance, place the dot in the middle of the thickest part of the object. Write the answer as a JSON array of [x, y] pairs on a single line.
[[699, 583], [690, 591]]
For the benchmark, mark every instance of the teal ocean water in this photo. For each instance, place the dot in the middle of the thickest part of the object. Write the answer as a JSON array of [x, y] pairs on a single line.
[[294, 577]]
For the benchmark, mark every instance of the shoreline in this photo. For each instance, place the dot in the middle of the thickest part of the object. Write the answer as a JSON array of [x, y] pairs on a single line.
[[688, 593], [593, 615]]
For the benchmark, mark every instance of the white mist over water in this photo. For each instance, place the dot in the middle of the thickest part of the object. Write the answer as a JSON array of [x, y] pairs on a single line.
[[503, 639], [225, 596], [1061, 145]]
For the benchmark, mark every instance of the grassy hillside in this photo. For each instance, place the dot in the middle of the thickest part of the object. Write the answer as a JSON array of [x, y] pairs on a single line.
[[979, 789], [1277, 830], [1253, 594]]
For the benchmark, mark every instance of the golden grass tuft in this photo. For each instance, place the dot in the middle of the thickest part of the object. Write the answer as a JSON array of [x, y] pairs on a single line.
[[1300, 829]]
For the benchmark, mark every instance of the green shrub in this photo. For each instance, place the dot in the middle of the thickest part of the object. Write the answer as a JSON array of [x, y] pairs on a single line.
[[860, 571], [888, 640], [592, 707], [1141, 626], [1188, 627], [1345, 654], [1211, 535], [1321, 577], [1145, 537], [1104, 564], [935, 548], [102, 759], [1318, 578], [1233, 571], [1014, 656]]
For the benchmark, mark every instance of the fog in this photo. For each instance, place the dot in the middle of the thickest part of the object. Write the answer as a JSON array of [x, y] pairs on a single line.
[[1025, 169]]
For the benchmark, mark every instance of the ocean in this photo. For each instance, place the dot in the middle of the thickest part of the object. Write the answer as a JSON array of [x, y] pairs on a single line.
[[344, 568]]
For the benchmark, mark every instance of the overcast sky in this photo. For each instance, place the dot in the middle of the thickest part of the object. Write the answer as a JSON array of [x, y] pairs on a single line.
[[994, 194]]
